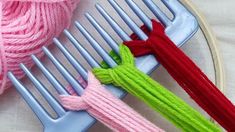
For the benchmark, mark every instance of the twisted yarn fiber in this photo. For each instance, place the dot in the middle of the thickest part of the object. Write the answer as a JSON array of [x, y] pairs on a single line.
[[187, 74], [25, 26], [127, 76], [108, 109]]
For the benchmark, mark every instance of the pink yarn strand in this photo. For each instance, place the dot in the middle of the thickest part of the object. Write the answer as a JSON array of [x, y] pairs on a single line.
[[49, 1], [109, 110], [26, 26]]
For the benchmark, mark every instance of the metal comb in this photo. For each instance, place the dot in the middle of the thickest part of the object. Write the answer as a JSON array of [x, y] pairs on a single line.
[[180, 29]]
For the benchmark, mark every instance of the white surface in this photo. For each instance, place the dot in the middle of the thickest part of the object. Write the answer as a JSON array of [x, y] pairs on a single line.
[[15, 115]]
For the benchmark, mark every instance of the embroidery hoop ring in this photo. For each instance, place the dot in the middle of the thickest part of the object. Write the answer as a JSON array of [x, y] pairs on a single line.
[[212, 44]]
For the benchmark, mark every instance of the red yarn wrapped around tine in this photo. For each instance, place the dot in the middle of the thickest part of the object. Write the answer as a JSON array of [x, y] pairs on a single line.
[[186, 73], [139, 48]]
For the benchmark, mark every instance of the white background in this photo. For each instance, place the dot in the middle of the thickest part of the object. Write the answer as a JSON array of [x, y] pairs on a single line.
[[15, 115]]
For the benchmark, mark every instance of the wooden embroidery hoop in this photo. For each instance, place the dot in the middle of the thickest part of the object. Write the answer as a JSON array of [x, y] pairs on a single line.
[[212, 44]]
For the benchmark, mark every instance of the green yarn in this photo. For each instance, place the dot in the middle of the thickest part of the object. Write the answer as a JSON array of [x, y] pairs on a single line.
[[114, 56], [127, 76]]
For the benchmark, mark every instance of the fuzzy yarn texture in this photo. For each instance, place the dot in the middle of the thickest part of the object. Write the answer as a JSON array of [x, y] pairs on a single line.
[[26, 26], [187, 74], [108, 109], [127, 76]]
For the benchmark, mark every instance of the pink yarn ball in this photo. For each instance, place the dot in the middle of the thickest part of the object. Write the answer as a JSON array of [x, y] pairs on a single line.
[[26, 26]]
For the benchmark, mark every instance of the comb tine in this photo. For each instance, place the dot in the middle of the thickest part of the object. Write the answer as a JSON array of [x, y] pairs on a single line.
[[121, 33], [103, 33], [174, 6], [133, 26], [56, 84], [44, 92], [91, 61], [105, 56], [40, 112], [80, 69], [67, 75], [143, 17], [157, 12]]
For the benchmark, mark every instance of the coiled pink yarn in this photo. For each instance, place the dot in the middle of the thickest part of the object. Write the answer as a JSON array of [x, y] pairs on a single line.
[[26, 26]]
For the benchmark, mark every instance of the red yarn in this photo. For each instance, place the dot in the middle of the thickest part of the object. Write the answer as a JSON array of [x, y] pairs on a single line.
[[186, 73]]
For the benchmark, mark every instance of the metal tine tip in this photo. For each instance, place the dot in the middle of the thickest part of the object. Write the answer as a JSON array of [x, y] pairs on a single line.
[[105, 56], [121, 33], [66, 74], [52, 79], [91, 61], [133, 26], [113, 44], [158, 12], [143, 17], [44, 92], [40, 112], [79, 68]]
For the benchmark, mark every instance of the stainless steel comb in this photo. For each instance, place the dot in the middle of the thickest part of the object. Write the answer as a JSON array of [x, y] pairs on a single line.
[[179, 29]]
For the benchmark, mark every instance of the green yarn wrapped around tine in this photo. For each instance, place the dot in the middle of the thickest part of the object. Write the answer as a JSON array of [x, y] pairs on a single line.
[[127, 76], [114, 56]]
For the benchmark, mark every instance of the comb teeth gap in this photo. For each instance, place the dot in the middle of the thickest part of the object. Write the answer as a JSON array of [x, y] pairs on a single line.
[[172, 8], [44, 91], [84, 53], [36, 91], [116, 27], [30, 98], [139, 12], [64, 71], [165, 16], [50, 77], [111, 42], [131, 24], [73, 61], [103, 53]]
